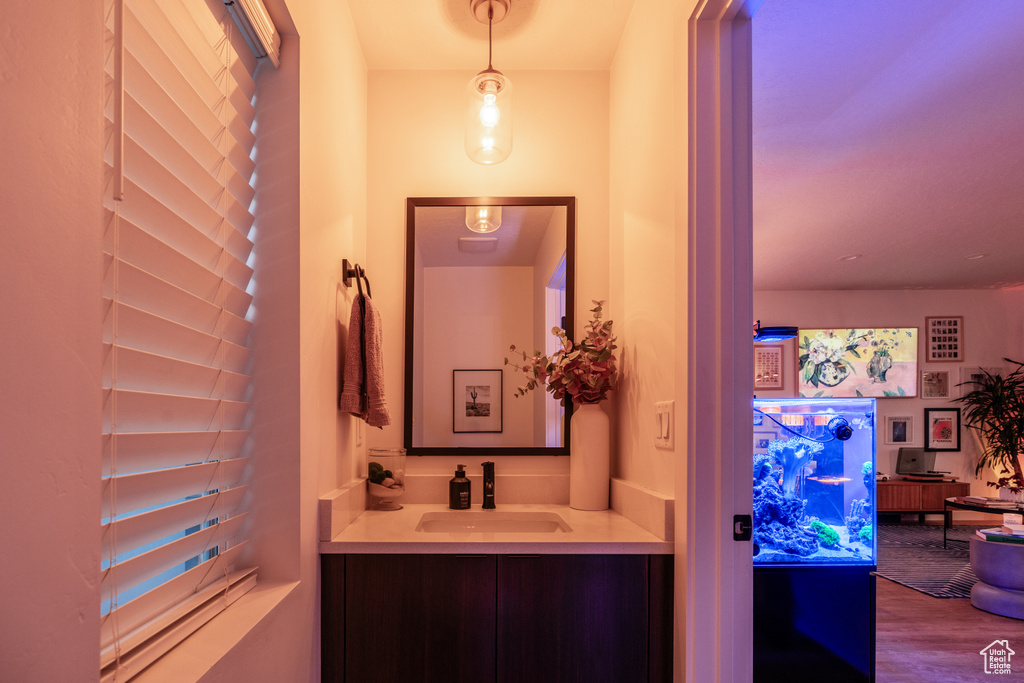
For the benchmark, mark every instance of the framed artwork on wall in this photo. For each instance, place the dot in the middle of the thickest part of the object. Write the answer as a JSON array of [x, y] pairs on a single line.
[[944, 339], [935, 384], [857, 362], [768, 367], [899, 429], [942, 429], [476, 401], [968, 377]]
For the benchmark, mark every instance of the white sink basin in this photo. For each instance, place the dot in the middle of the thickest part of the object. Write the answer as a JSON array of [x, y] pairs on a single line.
[[492, 522]]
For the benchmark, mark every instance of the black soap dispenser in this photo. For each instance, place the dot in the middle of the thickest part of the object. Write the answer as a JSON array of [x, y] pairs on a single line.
[[458, 490]]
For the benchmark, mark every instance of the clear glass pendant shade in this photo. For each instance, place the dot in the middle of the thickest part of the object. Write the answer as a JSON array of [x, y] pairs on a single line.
[[483, 218], [489, 117]]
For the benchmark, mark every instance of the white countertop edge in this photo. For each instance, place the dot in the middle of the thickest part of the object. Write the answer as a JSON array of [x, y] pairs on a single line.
[[603, 532]]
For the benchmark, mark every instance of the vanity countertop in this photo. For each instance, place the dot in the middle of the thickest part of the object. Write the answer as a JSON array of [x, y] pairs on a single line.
[[604, 532]]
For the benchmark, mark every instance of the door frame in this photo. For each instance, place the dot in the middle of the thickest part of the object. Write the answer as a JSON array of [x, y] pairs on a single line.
[[715, 572]]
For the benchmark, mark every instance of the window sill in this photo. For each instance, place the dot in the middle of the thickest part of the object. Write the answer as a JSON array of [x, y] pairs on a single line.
[[193, 658]]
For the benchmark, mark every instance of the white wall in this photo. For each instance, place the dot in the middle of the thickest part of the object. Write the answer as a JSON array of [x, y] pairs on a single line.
[[993, 329], [416, 149], [645, 236], [470, 316], [50, 273]]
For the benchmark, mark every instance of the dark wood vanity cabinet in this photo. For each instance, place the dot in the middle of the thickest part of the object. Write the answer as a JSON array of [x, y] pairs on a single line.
[[504, 618]]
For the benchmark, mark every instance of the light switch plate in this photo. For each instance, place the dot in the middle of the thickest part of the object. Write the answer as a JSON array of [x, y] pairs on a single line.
[[664, 424]]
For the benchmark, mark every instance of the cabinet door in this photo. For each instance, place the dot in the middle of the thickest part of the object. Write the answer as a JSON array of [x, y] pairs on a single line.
[[411, 618], [572, 618], [898, 496]]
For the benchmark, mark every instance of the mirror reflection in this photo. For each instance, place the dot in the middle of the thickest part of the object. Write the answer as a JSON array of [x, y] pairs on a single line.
[[484, 273]]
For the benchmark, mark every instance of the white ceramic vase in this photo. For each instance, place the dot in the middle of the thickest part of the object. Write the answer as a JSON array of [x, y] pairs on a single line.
[[589, 463]]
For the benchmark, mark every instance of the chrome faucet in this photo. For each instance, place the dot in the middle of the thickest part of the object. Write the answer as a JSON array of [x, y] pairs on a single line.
[[488, 485]]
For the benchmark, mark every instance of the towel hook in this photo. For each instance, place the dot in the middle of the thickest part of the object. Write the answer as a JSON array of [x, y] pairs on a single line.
[[354, 270]]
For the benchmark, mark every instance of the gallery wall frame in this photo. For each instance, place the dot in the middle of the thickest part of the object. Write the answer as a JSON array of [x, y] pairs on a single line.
[[942, 429], [944, 339], [878, 362], [969, 375], [476, 401], [935, 384], [899, 429], [768, 366]]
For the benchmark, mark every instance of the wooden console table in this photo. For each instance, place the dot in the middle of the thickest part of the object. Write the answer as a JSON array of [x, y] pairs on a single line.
[[922, 497]]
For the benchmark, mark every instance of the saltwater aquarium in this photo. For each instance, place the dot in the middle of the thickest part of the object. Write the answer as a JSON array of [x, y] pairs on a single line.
[[814, 481]]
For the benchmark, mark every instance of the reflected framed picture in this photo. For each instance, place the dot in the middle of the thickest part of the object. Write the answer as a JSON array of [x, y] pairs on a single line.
[[899, 429], [942, 429], [763, 439], [476, 401], [935, 384]]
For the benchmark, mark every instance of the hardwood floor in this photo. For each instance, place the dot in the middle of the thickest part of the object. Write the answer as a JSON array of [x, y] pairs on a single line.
[[921, 639]]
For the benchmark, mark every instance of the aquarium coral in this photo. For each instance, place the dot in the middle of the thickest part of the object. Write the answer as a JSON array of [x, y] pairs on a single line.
[[777, 516], [866, 533], [827, 536], [793, 455]]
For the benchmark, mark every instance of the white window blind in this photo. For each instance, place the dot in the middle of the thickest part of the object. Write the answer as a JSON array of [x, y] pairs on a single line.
[[177, 246]]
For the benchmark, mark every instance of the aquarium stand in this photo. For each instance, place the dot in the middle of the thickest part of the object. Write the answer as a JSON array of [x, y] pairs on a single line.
[[814, 623]]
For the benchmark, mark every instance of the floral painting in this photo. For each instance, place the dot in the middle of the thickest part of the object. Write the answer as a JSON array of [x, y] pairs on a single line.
[[857, 362]]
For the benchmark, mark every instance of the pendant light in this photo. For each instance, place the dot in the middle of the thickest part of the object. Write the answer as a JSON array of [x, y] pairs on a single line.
[[489, 97], [483, 218]]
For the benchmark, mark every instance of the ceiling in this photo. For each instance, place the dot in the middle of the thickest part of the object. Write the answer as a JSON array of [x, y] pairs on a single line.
[[892, 132]]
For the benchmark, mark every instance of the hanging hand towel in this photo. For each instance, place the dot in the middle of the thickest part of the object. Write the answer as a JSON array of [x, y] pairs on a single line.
[[363, 392]]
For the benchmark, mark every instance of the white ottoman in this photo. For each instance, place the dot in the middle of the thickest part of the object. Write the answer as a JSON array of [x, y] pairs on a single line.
[[1000, 570]]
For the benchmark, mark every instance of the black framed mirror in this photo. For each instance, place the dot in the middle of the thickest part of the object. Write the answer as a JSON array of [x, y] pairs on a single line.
[[472, 290]]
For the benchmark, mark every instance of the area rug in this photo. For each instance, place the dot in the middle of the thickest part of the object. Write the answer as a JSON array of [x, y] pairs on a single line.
[[913, 556]]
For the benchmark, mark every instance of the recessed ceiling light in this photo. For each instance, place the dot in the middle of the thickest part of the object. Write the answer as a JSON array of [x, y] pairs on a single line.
[[975, 257], [850, 257]]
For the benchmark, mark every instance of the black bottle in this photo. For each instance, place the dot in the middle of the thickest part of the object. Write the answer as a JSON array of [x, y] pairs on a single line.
[[458, 490]]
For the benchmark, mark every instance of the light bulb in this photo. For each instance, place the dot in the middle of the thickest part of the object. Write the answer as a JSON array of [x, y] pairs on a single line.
[[483, 218], [490, 115]]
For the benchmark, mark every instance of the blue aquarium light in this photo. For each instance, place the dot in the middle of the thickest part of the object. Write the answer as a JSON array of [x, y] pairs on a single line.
[[772, 334]]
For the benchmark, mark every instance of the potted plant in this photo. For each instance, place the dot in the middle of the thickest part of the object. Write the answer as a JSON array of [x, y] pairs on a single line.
[[995, 409]]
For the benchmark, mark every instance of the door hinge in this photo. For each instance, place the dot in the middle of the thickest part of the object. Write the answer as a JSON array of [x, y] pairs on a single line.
[[742, 526]]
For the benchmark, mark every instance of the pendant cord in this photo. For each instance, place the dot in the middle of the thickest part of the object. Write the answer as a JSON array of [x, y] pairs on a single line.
[[490, 20]]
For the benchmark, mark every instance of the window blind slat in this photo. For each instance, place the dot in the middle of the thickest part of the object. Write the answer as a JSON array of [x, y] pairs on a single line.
[[141, 568], [205, 207], [204, 131], [149, 489], [197, 584], [151, 37], [150, 372], [149, 332], [145, 451], [148, 527], [185, 150], [170, 265], [141, 411], [142, 208], [142, 290]]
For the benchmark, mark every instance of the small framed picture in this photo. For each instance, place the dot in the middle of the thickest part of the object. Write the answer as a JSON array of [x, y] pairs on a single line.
[[944, 339], [476, 401], [935, 384], [899, 429], [767, 367], [942, 429], [970, 376], [763, 439]]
